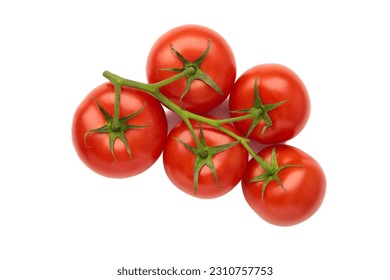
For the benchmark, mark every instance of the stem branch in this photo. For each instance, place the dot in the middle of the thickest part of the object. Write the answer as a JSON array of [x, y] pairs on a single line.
[[186, 116]]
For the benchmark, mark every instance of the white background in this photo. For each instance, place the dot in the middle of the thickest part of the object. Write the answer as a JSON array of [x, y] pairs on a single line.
[[59, 220]]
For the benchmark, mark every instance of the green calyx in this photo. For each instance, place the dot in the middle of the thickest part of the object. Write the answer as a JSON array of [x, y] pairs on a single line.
[[116, 129], [197, 74], [204, 156], [272, 173], [259, 111]]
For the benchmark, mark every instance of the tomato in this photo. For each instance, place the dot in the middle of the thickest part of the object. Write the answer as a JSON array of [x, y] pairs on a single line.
[[302, 191], [145, 137], [181, 164], [207, 88], [277, 98]]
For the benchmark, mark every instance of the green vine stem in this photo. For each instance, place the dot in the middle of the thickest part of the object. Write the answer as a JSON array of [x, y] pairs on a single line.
[[116, 123], [186, 116]]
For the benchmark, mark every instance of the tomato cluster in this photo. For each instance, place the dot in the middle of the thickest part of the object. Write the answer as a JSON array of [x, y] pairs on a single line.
[[120, 128]]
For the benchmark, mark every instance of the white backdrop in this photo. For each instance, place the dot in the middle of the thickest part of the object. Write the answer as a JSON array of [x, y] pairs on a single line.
[[59, 220]]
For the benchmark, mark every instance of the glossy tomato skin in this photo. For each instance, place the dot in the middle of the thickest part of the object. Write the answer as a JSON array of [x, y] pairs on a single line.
[[179, 161], [146, 144], [191, 41], [276, 83], [305, 187]]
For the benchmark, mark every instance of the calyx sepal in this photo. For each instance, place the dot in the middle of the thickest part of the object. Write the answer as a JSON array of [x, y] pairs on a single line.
[[272, 173], [204, 156], [198, 74], [117, 132], [259, 111]]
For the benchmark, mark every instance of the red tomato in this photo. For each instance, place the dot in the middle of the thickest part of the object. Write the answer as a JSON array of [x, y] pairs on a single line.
[[191, 41], [303, 188], [179, 161], [285, 100], [145, 142]]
